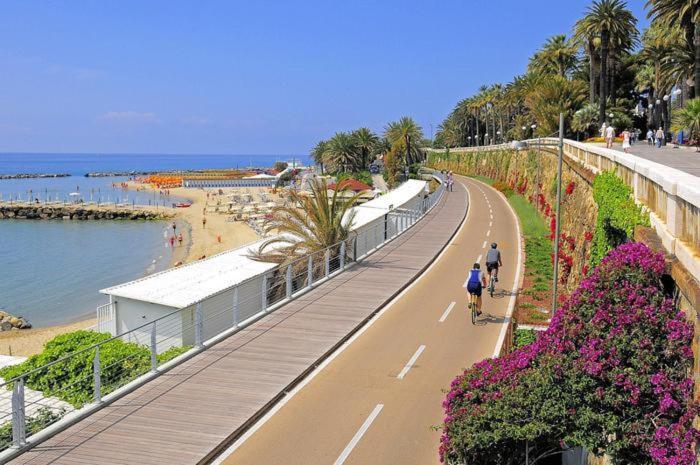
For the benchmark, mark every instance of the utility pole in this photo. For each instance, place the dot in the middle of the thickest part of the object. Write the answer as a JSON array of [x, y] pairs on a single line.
[[558, 219]]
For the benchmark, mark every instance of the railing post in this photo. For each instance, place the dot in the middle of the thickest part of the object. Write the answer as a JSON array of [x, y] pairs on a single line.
[[19, 423], [235, 306], [310, 270], [342, 255], [264, 292], [198, 321], [154, 348], [97, 377], [327, 259], [288, 280]]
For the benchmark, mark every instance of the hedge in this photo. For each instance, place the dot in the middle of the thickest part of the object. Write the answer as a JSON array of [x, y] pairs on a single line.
[[72, 379]]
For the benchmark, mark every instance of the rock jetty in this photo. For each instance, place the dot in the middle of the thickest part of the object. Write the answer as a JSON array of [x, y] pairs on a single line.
[[34, 175], [9, 322], [109, 174], [80, 213]]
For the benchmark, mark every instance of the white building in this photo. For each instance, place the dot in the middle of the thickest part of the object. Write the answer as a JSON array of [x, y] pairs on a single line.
[[229, 288]]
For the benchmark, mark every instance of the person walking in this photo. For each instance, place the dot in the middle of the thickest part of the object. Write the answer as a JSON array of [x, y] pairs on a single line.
[[650, 137], [626, 141], [609, 136], [204, 222], [659, 137]]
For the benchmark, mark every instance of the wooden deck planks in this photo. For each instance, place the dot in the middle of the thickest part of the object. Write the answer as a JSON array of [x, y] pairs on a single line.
[[182, 415]]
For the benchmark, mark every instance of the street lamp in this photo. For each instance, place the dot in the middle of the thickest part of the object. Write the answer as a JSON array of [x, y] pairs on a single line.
[[665, 98], [498, 133], [677, 92], [470, 140]]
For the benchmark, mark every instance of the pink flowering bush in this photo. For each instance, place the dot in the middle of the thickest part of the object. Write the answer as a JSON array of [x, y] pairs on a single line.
[[611, 373]]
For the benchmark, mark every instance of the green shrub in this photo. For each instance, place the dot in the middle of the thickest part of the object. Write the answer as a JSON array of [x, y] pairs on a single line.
[[523, 337], [617, 215], [362, 176], [43, 418], [71, 380]]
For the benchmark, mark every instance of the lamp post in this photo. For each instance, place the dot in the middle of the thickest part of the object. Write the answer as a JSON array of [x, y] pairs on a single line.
[[486, 139], [498, 136], [470, 140], [558, 219]]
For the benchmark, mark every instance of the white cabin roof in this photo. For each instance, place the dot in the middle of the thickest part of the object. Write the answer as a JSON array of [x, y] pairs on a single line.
[[380, 206], [185, 285]]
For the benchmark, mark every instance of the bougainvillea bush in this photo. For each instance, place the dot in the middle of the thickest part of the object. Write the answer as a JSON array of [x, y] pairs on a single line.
[[612, 373]]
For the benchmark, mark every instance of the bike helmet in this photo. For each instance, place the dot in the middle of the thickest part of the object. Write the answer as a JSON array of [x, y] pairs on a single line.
[[494, 245]]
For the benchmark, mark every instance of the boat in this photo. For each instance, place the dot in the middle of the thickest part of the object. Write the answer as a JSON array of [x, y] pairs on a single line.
[[183, 204]]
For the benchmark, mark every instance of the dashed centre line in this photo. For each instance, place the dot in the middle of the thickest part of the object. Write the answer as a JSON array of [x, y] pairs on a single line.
[[361, 432], [483, 246], [488, 233], [446, 313], [412, 361]]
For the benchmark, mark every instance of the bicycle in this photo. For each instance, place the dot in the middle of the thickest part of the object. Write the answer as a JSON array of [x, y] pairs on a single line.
[[473, 307], [492, 285]]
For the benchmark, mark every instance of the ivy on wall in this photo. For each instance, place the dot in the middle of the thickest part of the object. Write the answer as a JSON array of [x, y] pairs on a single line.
[[618, 215]]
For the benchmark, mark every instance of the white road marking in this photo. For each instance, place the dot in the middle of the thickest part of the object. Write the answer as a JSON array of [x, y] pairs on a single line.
[[483, 246], [361, 432], [488, 233], [491, 217], [478, 259], [412, 361], [490, 223], [447, 312]]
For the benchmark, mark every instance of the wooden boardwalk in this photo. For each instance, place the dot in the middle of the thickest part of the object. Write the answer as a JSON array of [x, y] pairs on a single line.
[[188, 414]]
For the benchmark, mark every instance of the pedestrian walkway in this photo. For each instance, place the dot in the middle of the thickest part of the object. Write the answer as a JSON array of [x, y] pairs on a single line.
[[683, 158], [187, 414]]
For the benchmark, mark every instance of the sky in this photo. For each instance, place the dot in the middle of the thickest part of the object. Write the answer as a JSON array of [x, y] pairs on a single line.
[[253, 77]]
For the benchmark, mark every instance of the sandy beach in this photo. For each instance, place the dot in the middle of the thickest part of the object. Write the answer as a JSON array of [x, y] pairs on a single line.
[[198, 241], [28, 342]]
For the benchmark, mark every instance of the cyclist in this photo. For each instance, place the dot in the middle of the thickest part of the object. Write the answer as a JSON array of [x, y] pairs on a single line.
[[475, 283], [493, 261]]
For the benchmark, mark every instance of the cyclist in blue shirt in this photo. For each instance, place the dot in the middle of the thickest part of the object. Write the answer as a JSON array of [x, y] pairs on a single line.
[[475, 284]]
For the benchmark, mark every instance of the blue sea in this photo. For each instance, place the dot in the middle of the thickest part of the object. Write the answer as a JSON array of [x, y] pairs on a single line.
[[51, 271]]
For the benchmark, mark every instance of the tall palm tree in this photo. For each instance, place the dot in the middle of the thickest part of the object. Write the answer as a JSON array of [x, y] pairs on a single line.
[[342, 153], [406, 131], [686, 15], [688, 118], [613, 23], [557, 56], [309, 224], [365, 140], [318, 153]]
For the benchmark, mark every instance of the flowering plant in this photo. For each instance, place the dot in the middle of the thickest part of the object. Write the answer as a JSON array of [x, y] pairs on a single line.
[[611, 373]]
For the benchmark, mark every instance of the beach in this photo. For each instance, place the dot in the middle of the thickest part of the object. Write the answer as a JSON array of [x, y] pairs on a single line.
[[198, 242]]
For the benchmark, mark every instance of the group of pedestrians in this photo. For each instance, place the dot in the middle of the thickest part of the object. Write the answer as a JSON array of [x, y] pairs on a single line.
[[630, 137], [448, 176], [656, 137]]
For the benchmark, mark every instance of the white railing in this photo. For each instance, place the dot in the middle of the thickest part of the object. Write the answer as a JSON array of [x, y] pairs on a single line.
[[671, 196], [181, 334]]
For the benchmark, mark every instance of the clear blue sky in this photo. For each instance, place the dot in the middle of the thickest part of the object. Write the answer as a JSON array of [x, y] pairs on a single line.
[[254, 77]]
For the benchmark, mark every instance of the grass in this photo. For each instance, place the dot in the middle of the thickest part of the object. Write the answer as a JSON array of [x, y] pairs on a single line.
[[523, 337]]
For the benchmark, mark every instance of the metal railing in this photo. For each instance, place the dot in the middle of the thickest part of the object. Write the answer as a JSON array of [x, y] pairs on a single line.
[[42, 401]]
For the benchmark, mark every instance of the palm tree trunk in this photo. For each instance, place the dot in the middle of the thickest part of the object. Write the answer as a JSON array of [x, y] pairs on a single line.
[[613, 81], [408, 151], [591, 70], [604, 42]]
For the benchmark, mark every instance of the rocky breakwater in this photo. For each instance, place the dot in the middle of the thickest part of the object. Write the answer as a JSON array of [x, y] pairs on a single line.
[[76, 212], [9, 322]]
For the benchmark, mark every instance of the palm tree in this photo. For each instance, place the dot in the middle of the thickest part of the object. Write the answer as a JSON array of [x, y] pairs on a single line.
[[309, 224], [612, 23], [585, 118], [407, 132], [342, 153], [689, 118], [366, 141], [552, 95], [318, 153], [557, 56], [686, 15]]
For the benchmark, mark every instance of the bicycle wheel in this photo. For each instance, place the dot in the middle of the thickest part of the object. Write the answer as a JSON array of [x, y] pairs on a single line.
[[492, 287], [473, 307]]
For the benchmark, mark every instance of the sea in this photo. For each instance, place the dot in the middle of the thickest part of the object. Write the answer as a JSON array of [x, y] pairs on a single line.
[[51, 271]]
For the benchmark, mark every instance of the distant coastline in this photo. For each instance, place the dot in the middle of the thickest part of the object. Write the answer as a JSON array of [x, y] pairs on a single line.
[[35, 175]]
